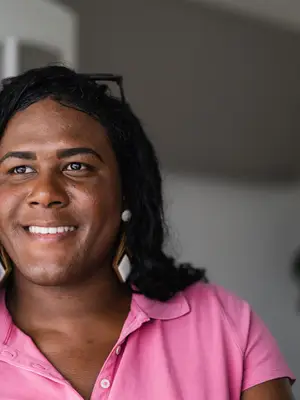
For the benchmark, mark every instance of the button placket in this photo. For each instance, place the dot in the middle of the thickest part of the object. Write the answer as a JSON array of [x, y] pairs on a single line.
[[106, 376]]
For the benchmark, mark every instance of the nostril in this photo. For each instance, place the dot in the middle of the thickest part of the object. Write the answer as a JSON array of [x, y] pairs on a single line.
[[50, 204], [55, 204]]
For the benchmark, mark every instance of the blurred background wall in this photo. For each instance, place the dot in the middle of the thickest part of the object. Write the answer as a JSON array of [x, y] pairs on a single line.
[[218, 91]]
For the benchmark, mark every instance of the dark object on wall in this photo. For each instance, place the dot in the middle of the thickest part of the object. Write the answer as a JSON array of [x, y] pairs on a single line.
[[296, 265]]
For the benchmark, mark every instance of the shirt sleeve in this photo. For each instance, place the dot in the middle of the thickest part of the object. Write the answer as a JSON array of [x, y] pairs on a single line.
[[263, 360]]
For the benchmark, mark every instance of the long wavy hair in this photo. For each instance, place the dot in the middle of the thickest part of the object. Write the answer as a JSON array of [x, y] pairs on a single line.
[[154, 274]]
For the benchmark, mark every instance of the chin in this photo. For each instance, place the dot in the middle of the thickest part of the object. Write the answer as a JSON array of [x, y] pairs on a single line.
[[52, 275]]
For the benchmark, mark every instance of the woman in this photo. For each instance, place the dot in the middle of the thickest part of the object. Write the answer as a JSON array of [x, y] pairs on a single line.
[[93, 308]]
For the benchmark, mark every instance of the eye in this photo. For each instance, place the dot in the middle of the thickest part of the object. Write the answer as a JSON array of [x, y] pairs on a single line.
[[76, 166], [21, 169]]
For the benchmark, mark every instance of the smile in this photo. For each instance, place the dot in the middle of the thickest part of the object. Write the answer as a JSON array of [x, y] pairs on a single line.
[[42, 230], [47, 234]]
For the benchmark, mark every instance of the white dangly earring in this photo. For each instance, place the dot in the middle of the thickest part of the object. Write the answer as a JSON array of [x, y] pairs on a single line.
[[5, 266], [126, 215], [121, 263]]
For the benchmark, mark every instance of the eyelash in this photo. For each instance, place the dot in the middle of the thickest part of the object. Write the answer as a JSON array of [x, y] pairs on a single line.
[[12, 171]]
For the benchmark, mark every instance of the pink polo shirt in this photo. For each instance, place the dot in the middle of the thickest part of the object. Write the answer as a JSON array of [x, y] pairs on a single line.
[[203, 344]]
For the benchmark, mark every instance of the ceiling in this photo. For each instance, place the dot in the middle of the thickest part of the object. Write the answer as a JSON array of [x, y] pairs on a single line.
[[283, 12]]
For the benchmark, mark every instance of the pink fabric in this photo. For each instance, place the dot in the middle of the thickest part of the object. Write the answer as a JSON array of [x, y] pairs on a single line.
[[203, 344]]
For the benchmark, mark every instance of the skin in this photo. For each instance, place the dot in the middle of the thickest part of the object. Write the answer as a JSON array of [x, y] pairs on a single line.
[[278, 389], [69, 279]]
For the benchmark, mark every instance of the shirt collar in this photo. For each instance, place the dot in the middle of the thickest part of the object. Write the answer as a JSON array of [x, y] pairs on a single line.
[[5, 319], [176, 307]]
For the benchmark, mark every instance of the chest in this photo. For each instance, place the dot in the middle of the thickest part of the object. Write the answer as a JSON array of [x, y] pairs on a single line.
[[78, 362], [159, 365], [153, 363]]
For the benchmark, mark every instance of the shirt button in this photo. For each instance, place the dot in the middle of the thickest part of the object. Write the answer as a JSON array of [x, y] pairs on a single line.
[[118, 350], [105, 384]]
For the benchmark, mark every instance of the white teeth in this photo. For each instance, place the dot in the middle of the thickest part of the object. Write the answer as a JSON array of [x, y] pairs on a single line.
[[51, 230]]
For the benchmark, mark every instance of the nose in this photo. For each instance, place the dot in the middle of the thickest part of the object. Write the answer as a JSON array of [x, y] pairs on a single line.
[[48, 191]]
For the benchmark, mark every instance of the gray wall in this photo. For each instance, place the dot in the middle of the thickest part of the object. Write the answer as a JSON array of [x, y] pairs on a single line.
[[224, 90], [219, 97], [244, 235]]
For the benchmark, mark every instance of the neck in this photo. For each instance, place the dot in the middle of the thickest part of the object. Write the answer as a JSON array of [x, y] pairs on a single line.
[[35, 307]]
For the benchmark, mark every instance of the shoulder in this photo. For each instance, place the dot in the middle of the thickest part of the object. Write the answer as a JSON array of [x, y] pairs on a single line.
[[223, 317], [209, 297], [221, 309]]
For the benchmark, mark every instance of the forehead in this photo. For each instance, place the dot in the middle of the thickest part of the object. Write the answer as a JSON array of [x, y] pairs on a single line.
[[48, 123]]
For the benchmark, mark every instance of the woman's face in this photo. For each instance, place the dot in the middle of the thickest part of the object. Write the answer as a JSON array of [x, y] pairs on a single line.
[[60, 194]]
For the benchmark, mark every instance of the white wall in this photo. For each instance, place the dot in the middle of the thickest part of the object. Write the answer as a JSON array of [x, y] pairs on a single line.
[[245, 237]]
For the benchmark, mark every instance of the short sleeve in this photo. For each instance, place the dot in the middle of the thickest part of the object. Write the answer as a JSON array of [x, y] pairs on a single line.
[[263, 360], [261, 357]]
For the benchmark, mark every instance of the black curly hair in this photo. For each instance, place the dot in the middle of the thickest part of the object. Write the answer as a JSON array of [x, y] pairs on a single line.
[[154, 274]]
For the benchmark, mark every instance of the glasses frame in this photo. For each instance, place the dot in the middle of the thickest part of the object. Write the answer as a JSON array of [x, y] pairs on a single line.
[[118, 79]]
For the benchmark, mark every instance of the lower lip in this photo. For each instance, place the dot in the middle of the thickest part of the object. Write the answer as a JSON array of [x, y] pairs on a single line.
[[50, 237]]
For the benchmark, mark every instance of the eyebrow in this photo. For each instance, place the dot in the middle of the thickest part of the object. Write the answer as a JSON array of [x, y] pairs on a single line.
[[64, 153], [24, 155]]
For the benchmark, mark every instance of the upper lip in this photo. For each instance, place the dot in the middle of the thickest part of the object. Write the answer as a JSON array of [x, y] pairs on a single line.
[[49, 224]]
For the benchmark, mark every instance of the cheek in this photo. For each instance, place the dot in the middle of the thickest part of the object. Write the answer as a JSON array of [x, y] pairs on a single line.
[[10, 202], [102, 201], [102, 216]]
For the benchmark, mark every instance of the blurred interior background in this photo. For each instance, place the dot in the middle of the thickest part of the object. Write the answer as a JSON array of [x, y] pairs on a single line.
[[216, 83]]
